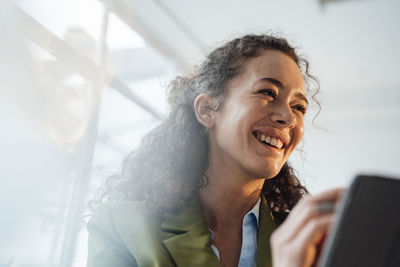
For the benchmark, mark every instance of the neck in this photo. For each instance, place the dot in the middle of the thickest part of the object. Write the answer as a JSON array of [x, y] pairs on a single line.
[[227, 197]]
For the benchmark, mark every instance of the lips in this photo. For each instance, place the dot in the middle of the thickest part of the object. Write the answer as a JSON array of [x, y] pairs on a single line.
[[272, 141], [272, 137]]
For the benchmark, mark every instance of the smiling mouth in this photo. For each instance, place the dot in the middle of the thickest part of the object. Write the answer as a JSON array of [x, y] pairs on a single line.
[[268, 140]]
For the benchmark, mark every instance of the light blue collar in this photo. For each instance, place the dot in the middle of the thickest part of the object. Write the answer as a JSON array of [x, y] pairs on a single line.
[[249, 239], [255, 210]]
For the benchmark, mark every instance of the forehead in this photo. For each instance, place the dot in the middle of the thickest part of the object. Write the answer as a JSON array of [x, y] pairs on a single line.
[[272, 64]]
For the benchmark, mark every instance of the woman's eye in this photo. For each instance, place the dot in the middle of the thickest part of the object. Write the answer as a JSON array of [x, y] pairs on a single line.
[[300, 108], [268, 92]]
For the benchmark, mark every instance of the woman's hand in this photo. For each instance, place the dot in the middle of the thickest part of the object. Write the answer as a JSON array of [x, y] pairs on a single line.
[[297, 241]]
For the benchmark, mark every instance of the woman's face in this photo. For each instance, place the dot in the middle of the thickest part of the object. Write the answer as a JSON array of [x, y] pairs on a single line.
[[260, 121]]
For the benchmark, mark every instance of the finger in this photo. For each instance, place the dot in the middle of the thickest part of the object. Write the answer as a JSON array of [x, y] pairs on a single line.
[[304, 245], [307, 209], [313, 230], [309, 203], [329, 195], [298, 217], [310, 239]]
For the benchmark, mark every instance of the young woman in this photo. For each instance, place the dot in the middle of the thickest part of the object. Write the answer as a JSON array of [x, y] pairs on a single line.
[[209, 186]]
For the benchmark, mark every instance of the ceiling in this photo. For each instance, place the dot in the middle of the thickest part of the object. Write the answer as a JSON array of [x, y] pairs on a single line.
[[353, 40], [352, 47], [353, 50]]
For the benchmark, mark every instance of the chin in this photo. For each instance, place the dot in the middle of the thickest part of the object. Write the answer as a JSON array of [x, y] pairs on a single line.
[[267, 171], [271, 174]]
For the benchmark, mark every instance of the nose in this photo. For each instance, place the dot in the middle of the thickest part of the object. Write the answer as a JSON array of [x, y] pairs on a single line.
[[283, 116]]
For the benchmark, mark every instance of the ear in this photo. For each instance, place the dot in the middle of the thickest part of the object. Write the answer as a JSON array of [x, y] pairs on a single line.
[[203, 108]]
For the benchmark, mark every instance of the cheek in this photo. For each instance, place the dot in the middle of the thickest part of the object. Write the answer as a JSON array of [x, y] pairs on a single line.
[[298, 133], [233, 119], [227, 129]]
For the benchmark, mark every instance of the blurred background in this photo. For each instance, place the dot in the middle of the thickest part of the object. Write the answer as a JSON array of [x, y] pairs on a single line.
[[81, 81]]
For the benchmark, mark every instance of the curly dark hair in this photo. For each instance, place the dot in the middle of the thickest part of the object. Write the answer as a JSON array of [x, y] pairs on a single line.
[[170, 163]]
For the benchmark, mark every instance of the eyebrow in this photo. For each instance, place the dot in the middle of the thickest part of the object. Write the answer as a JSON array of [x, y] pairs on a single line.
[[302, 96], [273, 81], [280, 85]]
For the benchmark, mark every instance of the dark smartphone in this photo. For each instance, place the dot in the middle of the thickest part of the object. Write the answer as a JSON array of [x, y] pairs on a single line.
[[367, 229]]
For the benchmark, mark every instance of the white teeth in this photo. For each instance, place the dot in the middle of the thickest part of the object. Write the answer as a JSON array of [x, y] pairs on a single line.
[[273, 141], [270, 140], [279, 143]]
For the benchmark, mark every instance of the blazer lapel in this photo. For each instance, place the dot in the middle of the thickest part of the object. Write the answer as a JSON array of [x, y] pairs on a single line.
[[267, 226], [188, 242]]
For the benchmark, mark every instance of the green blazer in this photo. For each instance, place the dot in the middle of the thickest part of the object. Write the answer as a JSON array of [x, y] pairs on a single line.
[[123, 234]]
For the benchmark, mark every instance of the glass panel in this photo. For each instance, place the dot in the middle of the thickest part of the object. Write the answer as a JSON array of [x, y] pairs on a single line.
[[53, 139], [120, 36], [59, 16], [41, 155]]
